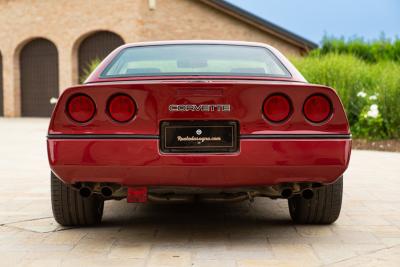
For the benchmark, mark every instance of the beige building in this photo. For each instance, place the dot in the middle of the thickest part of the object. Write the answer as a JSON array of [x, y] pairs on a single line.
[[45, 45]]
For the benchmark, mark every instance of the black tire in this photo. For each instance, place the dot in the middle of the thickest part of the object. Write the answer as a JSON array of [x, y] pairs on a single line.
[[323, 208], [70, 209]]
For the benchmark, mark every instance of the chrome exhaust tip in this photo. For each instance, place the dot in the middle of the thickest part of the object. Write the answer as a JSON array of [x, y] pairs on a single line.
[[307, 193], [106, 191], [286, 192], [85, 191]]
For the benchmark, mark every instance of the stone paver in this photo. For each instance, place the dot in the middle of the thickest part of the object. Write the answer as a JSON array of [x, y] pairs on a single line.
[[238, 235]]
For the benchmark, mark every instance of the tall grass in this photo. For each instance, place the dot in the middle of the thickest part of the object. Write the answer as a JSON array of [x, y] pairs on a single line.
[[371, 51], [369, 92]]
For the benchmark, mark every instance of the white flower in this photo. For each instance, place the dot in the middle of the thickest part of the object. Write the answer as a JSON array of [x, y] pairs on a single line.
[[361, 94], [373, 97], [373, 111]]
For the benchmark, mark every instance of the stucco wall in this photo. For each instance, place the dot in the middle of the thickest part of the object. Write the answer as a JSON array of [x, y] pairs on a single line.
[[67, 22]]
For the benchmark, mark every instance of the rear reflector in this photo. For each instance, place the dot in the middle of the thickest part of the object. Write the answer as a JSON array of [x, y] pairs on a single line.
[[277, 108], [121, 108], [317, 108], [81, 108], [136, 194]]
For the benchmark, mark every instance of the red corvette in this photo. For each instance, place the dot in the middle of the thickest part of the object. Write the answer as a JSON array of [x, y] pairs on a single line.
[[197, 121]]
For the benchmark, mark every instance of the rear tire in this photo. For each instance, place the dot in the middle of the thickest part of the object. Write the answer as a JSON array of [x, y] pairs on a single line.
[[323, 208], [70, 209]]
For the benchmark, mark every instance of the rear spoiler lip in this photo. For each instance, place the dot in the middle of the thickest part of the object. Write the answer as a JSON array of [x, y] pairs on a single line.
[[193, 78]]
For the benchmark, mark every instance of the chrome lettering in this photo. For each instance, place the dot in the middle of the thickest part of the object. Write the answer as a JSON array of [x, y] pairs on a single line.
[[197, 108]]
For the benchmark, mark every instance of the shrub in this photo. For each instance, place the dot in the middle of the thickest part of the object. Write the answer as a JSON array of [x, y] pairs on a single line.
[[372, 52], [90, 67], [370, 92]]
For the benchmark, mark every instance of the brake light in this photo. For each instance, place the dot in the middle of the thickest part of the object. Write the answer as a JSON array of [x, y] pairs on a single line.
[[277, 108], [81, 108], [317, 108], [121, 108]]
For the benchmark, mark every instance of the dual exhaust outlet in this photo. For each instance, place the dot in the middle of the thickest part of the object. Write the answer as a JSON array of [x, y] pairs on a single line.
[[307, 193], [105, 191]]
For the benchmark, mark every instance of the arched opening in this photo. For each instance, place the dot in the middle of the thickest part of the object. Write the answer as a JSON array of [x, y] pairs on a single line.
[[96, 46], [38, 77], [1, 87]]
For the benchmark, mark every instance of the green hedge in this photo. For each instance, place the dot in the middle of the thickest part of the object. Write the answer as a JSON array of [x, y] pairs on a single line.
[[372, 52], [369, 92]]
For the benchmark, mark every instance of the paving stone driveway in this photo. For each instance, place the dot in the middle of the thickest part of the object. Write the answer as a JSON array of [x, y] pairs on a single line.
[[256, 234]]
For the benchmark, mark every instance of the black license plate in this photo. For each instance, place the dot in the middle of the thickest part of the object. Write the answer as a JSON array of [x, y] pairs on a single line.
[[199, 136]]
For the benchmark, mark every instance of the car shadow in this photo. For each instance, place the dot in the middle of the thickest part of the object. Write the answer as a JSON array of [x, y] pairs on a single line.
[[181, 223]]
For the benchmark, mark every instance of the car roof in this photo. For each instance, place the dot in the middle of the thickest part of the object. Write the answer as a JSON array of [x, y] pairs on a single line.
[[169, 42]]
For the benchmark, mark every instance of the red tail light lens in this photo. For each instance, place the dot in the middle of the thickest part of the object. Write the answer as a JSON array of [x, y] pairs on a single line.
[[81, 108], [277, 108], [121, 108], [317, 108]]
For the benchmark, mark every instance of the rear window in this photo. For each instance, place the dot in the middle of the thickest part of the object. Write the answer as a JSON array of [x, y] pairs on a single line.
[[195, 59]]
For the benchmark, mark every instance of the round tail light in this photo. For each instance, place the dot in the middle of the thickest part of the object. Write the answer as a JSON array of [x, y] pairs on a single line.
[[317, 108], [277, 108], [81, 108], [121, 108]]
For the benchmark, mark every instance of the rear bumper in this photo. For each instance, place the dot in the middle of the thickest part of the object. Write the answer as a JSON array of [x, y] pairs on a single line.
[[138, 162]]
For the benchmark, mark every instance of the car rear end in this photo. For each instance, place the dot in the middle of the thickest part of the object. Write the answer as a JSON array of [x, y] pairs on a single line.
[[205, 138]]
